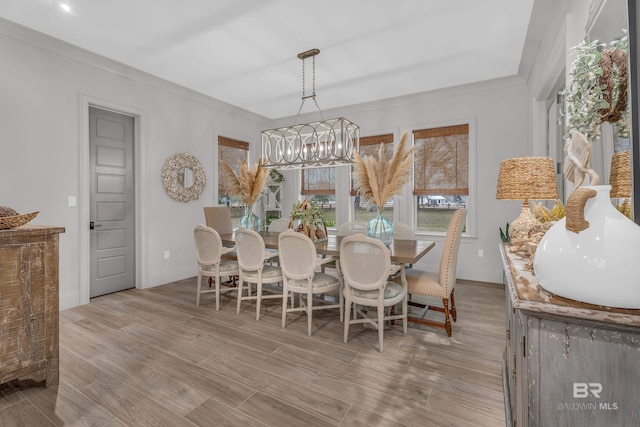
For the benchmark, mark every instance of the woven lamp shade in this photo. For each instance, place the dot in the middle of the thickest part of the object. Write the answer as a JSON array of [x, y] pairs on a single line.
[[620, 179], [524, 178]]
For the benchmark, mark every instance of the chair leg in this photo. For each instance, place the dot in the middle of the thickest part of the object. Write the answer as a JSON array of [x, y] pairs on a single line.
[[284, 306], [198, 290], [380, 327], [405, 312], [217, 293], [240, 291], [309, 311], [447, 322], [258, 299], [453, 307], [347, 322]]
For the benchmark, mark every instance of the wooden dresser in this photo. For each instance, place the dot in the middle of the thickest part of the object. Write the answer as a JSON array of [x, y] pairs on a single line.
[[29, 304], [567, 363]]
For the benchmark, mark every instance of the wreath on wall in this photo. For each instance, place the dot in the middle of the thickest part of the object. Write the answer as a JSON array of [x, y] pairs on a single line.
[[597, 92], [173, 177]]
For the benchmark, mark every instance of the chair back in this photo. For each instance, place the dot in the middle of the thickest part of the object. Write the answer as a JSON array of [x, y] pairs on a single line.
[[449, 260], [353, 227], [208, 245], [365, 262], [219, 218], [297, 255], [403, 232], [250, 249], [278, 225]]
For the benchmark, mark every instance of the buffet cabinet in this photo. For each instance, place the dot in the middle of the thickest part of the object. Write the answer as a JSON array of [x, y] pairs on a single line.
[[29, 304], [567, 363]]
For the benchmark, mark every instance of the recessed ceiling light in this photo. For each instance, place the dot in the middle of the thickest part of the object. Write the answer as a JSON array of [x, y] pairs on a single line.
[[65, 7]]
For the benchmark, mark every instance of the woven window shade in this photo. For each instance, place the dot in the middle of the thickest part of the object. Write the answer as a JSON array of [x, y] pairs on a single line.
[[317, 181], [441, 161], [233, 152], [369, 146]]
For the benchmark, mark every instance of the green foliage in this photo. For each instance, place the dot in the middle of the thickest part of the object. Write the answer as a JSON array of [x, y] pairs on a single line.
[[275, 176], [504, 235], [308, 212], [330, 222], [585, 95], [271, 217]]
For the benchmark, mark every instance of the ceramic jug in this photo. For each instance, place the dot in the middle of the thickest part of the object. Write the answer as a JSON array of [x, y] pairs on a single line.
[[599, 264]]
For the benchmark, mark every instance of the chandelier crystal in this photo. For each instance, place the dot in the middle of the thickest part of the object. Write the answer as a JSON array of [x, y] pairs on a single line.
[[329, 142]]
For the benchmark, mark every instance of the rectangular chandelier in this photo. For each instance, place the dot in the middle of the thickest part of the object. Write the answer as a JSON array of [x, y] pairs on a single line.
[[330, 142]]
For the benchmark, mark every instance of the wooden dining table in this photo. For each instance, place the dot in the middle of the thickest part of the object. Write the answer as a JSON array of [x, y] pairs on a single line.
[[402, 251]]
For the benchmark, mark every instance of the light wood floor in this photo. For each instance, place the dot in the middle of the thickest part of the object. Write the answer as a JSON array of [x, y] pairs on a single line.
[[151, 358]]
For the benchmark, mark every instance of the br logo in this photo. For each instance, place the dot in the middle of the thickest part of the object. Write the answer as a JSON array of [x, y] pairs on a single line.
[[582, 390]]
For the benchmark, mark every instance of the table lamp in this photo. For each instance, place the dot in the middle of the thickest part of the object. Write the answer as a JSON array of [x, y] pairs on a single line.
[[620, 180], [525, 178]]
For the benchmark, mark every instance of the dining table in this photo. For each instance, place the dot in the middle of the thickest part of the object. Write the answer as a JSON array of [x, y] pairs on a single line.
[[402, 251]]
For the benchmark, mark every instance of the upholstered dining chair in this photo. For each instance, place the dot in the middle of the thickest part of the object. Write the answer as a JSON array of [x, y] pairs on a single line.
[[278, 225], [403, 232], [209, 251], [439, 285], [298, 261], [251, 263], [365, 264], [352, 227], [218, 218]]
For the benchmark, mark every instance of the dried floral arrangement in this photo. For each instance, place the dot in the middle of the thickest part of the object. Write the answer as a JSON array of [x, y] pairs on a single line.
[[377, 180], [249, 182], [310, 219]]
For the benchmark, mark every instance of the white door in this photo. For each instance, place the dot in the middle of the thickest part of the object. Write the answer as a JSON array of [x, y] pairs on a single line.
[[111, 137]]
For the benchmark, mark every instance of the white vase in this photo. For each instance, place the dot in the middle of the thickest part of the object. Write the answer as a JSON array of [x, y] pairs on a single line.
[[599, 265]]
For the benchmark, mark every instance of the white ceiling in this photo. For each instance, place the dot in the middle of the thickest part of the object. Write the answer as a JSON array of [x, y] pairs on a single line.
[[244, 51]]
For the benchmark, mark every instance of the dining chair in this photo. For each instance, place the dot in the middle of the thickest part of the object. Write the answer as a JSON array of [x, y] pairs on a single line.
[[365, 264], [278, 225], [218, 218], [299, 260], [352, 227], [403, 232], [439, 285], [251, 263], [209, 251]]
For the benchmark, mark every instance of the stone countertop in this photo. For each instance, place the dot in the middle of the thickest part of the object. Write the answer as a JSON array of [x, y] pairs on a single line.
[[527, 294]]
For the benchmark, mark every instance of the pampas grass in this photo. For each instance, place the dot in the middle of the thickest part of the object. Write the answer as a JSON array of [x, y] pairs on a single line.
[[248, 184], [377, 180]]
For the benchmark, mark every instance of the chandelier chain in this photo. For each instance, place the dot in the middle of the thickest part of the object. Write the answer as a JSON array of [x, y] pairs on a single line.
[[313, 86]]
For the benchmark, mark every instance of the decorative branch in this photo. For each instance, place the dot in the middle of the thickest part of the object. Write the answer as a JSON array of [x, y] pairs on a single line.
[[248, 184], [377, 180]]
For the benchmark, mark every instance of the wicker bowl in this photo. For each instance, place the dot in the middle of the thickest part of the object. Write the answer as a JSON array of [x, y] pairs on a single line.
[[16, 220]]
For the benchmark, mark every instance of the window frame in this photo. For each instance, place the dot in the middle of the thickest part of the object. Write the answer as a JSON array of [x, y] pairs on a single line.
[[471, 218]]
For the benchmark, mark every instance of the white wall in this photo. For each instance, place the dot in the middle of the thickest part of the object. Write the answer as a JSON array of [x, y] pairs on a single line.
[[44, 87]]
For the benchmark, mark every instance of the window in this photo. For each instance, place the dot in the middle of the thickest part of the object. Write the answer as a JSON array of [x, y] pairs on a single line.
[[319, 185], [233, 152], [441, 175], [370, 146]]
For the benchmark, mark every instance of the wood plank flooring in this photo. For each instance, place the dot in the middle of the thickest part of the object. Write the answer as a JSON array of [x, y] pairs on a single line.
[[151, 358]]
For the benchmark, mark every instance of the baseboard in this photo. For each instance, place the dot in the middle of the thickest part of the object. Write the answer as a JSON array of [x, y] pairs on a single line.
[[69, 300]]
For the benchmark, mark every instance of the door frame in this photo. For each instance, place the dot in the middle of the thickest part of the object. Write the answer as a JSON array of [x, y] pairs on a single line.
[[141, 206]]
